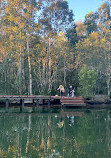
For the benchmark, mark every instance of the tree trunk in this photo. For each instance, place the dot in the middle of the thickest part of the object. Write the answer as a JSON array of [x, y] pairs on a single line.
[[20, 66], [50, 83], [29, 64], [108, 85], [43, 71], [64, 73]]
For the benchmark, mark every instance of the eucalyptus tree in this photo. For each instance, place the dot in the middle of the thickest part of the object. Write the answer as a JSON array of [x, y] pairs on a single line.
[[90, 22], [65, 58], [104, 26], [81, 30], [104, 13], [55, 17], [18, 24], [31, 27], [9, 34], [72, 36]]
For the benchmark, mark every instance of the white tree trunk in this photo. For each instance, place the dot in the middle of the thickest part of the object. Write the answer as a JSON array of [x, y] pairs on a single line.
[[20, 66], [29, 64]]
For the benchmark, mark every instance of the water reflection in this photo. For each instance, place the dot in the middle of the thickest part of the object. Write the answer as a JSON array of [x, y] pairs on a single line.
[[67, 134]]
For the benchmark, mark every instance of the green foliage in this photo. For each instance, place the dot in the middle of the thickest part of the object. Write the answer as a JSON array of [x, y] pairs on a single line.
[[87, 80], [56, 16], [72, 35], [90, 22]]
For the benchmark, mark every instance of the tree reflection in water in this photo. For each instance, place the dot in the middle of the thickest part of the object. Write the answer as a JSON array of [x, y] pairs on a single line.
[[67, 134]]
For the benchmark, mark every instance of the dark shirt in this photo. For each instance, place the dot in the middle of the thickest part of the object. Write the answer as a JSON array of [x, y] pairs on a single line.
[[70, 91]]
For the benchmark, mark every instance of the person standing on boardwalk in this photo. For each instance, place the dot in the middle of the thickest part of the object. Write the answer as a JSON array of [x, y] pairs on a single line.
[[71, 92], [61, 89]]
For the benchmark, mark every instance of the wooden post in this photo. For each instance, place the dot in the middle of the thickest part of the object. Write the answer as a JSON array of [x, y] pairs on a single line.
[[33, 102], [21, 106], [37, 103], [20, 101], [43, 101], [33, 107], [7, 105], [49, 102]]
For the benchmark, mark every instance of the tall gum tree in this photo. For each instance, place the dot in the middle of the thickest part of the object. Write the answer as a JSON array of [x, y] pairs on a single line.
[[31, 27], [11, 29], [56, 17], [19, 24], [90, 22]]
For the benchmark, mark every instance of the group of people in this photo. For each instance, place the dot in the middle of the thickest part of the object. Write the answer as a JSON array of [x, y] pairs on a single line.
[[70, 91]]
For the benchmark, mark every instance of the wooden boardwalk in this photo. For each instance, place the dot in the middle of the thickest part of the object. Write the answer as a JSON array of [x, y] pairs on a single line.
[[28, 96], [37, 100]]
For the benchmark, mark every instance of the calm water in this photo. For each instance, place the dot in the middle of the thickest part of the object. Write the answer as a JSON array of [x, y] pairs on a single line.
[[60, 134]]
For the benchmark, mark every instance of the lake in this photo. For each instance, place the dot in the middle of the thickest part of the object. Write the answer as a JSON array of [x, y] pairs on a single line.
[[58, 133]]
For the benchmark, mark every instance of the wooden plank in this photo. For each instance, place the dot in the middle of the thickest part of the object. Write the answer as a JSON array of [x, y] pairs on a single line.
[[72, 101], [55, 97], [24, 96], [7, 105], [74, 104], [71, 98]]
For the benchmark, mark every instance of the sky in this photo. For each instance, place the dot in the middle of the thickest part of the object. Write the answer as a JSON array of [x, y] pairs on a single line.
[[82, 7]]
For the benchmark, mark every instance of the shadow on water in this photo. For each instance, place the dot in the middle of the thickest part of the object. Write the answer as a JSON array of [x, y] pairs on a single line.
[[55, 132]]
